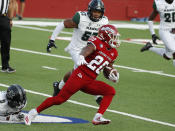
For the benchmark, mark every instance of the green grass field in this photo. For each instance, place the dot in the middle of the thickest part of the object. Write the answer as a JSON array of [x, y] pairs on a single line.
[[145, 91]]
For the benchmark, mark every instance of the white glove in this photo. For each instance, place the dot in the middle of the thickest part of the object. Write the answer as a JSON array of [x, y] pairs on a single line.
[[17, 117], [81, 60], [113, 77]]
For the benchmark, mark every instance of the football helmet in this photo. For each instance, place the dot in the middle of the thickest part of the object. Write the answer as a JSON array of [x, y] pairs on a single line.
[[16, 96], [169, 1], [110, 35], [95, 5]]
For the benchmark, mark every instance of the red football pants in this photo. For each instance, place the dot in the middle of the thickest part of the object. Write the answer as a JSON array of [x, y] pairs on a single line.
[[80, 81]]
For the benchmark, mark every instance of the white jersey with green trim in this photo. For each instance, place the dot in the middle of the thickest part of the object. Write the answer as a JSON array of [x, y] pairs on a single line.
[[4, 108], [86, 28], [167, 14]]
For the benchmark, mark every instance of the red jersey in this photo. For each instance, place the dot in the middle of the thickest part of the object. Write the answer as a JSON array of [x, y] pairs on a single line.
[[100, 58]]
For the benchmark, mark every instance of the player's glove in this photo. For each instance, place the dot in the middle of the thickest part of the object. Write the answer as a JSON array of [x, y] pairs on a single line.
[[154, 38], [81, 60], [20, 116], [113, 76], [50, 45]]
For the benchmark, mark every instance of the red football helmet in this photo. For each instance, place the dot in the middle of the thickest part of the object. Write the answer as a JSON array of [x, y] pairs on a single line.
[[110, 35]]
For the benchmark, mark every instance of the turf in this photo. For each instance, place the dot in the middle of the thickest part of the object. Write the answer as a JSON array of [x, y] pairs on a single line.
[[138, 93]]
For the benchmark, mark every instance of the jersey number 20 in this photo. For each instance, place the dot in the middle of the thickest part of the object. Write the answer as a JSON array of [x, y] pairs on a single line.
[[95, 64]]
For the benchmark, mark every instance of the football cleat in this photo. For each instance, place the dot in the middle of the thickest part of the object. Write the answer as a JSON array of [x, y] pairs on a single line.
[[30, 116], [8, 70], [146, 47], [56, 89], [99, 99], [100, 120]]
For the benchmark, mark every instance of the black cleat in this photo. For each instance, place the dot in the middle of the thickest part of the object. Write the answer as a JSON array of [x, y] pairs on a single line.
[[8, 70], [146, 47], [99, 99], [56, 88]]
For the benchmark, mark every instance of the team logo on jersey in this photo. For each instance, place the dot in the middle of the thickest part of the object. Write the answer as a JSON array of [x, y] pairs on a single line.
[[43, 118], [112, 54], [80, 75]]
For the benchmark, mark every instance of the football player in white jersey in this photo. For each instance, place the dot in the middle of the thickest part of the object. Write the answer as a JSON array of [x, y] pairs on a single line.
[[12, 102], [85, 24], [166, 10]]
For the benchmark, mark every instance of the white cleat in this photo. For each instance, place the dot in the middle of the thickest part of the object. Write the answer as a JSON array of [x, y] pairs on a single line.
[[98, 119], [30, 116]]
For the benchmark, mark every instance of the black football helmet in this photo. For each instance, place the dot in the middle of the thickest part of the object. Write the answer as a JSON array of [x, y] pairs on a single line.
[[169, 1], [95, 5], [16, 96]]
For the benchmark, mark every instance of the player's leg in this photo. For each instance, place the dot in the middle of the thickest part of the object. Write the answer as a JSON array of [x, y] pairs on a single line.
[[58, 85], [21, 11], [16, 8], [108, 92], [174, 58], [167, 39], [71, 87]]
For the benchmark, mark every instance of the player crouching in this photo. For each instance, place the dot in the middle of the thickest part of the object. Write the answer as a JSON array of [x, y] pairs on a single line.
[[12, 102], [99, 54]]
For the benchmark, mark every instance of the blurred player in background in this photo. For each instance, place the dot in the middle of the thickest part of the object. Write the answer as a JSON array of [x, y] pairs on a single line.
[[19, 13], [12, 102], [99, 53], [85, 24], [166, 10]]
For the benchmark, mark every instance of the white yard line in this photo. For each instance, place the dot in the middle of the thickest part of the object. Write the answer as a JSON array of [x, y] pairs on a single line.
[[118, 25], [95, 107], [119, 66], [50, 68], [40, 29]]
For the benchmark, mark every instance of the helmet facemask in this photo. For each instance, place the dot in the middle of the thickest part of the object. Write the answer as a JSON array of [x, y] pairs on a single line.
[[114, 41], [110, 35], [95, 5]]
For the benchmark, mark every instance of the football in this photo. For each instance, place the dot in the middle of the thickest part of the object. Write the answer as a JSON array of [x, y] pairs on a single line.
[[111, 74], [107, 71]]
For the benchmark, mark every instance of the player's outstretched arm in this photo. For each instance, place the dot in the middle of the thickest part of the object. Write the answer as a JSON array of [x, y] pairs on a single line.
[[68, 23], [150, 24]]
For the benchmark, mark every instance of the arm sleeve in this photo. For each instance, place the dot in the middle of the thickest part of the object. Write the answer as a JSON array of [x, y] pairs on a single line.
[[76, 18], [57, 31], [154, 6]]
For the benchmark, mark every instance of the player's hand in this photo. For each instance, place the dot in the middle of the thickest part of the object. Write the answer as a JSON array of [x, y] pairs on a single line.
[[81, 61], [50, 45], [154, 38], [114, 76]]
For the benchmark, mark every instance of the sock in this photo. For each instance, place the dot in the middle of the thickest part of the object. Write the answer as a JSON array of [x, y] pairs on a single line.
[[61, 84], [104, 104], [159, 51], [46, 104]]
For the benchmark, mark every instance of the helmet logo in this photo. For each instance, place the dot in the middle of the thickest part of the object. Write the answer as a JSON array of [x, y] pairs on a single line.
[[108, 29], [11, 94]]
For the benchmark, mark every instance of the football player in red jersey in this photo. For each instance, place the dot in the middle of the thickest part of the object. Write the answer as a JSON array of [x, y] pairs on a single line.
[[99, 53]]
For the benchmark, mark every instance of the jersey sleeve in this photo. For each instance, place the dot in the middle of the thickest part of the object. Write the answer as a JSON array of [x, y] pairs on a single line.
[[76, 18], [93, 40], [154, 5], [106, 21]]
